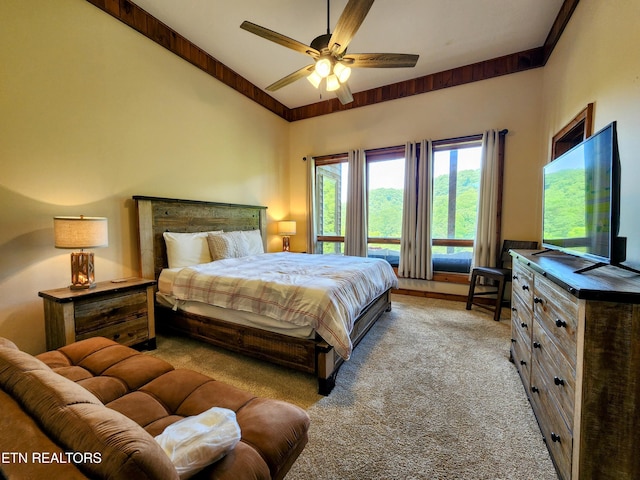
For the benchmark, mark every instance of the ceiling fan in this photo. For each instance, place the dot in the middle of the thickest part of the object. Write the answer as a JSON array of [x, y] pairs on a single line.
[[332, 63]]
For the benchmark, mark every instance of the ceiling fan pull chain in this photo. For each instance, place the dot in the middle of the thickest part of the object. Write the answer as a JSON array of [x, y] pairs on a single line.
[[328, 17]]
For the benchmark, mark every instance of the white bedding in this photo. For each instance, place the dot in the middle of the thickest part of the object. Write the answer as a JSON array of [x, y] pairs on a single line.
[[234, 316], [324, 292]]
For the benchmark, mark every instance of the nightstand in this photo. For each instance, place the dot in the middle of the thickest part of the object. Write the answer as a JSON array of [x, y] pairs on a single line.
[[120, 310]]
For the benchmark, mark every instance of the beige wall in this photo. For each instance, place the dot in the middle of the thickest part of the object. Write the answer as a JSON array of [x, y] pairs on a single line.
[[598, 60], [93, 113]]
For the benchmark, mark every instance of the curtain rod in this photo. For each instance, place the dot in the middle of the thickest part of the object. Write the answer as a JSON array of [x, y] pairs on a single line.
[[436, 142]]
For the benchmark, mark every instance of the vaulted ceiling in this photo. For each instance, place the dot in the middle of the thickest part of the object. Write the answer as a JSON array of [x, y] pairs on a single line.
[[458, 42]]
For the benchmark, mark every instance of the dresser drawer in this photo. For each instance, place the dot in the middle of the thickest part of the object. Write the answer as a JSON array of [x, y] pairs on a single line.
[[522, 283], [553, 373], [112, 309], [521, 318], [557, 311], [556, 433], [521, 354]]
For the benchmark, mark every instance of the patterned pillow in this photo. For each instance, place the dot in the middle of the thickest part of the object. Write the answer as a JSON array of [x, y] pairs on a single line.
[[228, 245]]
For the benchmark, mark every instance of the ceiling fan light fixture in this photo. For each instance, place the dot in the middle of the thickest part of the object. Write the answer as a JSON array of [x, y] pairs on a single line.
[[314, 79], [332, 83], [342, 72], [323, 67]]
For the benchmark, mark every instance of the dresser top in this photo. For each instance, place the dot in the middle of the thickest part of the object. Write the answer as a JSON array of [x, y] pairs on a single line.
[[605, 283]]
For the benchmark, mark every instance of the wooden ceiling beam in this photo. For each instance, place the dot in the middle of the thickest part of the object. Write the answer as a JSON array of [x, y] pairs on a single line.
[[149, 26]]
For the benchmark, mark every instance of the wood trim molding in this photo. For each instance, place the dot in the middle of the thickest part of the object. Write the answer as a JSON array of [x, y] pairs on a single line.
[[558, 26], [149, 26], [577, 130], [513, 63], [152, 28]]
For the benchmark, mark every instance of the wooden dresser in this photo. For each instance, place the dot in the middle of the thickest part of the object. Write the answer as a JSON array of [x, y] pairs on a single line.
[[120, 310], [576, 344]]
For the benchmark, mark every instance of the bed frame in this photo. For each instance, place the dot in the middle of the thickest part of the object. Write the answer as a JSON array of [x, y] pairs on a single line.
[[158, 215]]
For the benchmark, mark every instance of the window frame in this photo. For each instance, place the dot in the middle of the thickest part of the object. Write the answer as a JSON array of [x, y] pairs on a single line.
[[470, 141]]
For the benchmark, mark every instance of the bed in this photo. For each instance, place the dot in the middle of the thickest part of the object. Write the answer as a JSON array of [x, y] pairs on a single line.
[[294, 345]]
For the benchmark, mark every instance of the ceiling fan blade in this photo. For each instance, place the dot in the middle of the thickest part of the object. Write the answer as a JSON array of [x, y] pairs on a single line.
[[380, 60], [344, 94], [348, 24], [279, 39], [292, 77]]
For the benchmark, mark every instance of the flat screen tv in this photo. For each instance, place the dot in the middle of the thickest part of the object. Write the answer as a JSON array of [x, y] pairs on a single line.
[[581, 207]]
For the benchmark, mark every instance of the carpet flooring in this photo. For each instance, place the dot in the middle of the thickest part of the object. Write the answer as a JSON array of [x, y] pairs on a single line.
[[430, 393]]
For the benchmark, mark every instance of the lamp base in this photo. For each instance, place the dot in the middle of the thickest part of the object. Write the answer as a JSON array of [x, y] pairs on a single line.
[[82, 287], [285, 244], [82, 271]]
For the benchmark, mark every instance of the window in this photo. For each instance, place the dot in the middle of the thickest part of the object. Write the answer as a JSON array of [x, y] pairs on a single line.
[[385, 192], [456, 181], [385, 186], [331, 193]]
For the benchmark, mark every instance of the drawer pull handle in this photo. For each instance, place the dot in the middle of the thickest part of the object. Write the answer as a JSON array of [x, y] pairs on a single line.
[[514, 309], [513, 340], [561, 323], [116, 336], [524, 325], [537, 300], [534, 389], [522, 362], [525, 287], [515, 277], [555, 437], [536, 345], [558, 381]]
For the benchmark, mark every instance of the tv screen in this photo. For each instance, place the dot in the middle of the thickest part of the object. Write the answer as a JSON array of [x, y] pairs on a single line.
[[582, 200]]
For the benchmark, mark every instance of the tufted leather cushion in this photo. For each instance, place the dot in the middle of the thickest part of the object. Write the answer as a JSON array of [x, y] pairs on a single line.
[[154, 395], [79, 422]]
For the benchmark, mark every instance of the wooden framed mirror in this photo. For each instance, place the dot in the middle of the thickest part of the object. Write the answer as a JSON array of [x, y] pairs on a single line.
[[576, 131]]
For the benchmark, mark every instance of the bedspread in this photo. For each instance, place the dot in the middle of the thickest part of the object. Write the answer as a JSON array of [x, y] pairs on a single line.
[[327, 292]]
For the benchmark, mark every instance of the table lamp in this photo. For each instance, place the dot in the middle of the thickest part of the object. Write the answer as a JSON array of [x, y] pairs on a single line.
[[80, 233], [286, 228]]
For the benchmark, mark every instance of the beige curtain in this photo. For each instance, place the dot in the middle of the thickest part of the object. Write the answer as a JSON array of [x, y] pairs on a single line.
[[311, 204], [415, 243], [355, 236], [485, 244]]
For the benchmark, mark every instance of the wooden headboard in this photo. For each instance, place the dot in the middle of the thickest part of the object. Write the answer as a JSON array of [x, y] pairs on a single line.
[[158, 215]]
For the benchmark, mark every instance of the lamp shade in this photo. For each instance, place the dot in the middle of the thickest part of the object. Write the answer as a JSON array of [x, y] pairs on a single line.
[[287, 227], [323, 67], [332, 83], [80, 232]]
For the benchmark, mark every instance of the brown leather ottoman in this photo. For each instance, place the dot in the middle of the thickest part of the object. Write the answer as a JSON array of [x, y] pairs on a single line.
[[153, 394]]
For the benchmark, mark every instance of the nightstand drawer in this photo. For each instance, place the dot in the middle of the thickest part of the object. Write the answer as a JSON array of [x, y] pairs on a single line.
[[93, 315], [129, 333]]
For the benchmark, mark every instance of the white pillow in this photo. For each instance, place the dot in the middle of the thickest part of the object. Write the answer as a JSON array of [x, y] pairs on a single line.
[[228, 245], [200, 440], [254, 240], [186, 249]]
